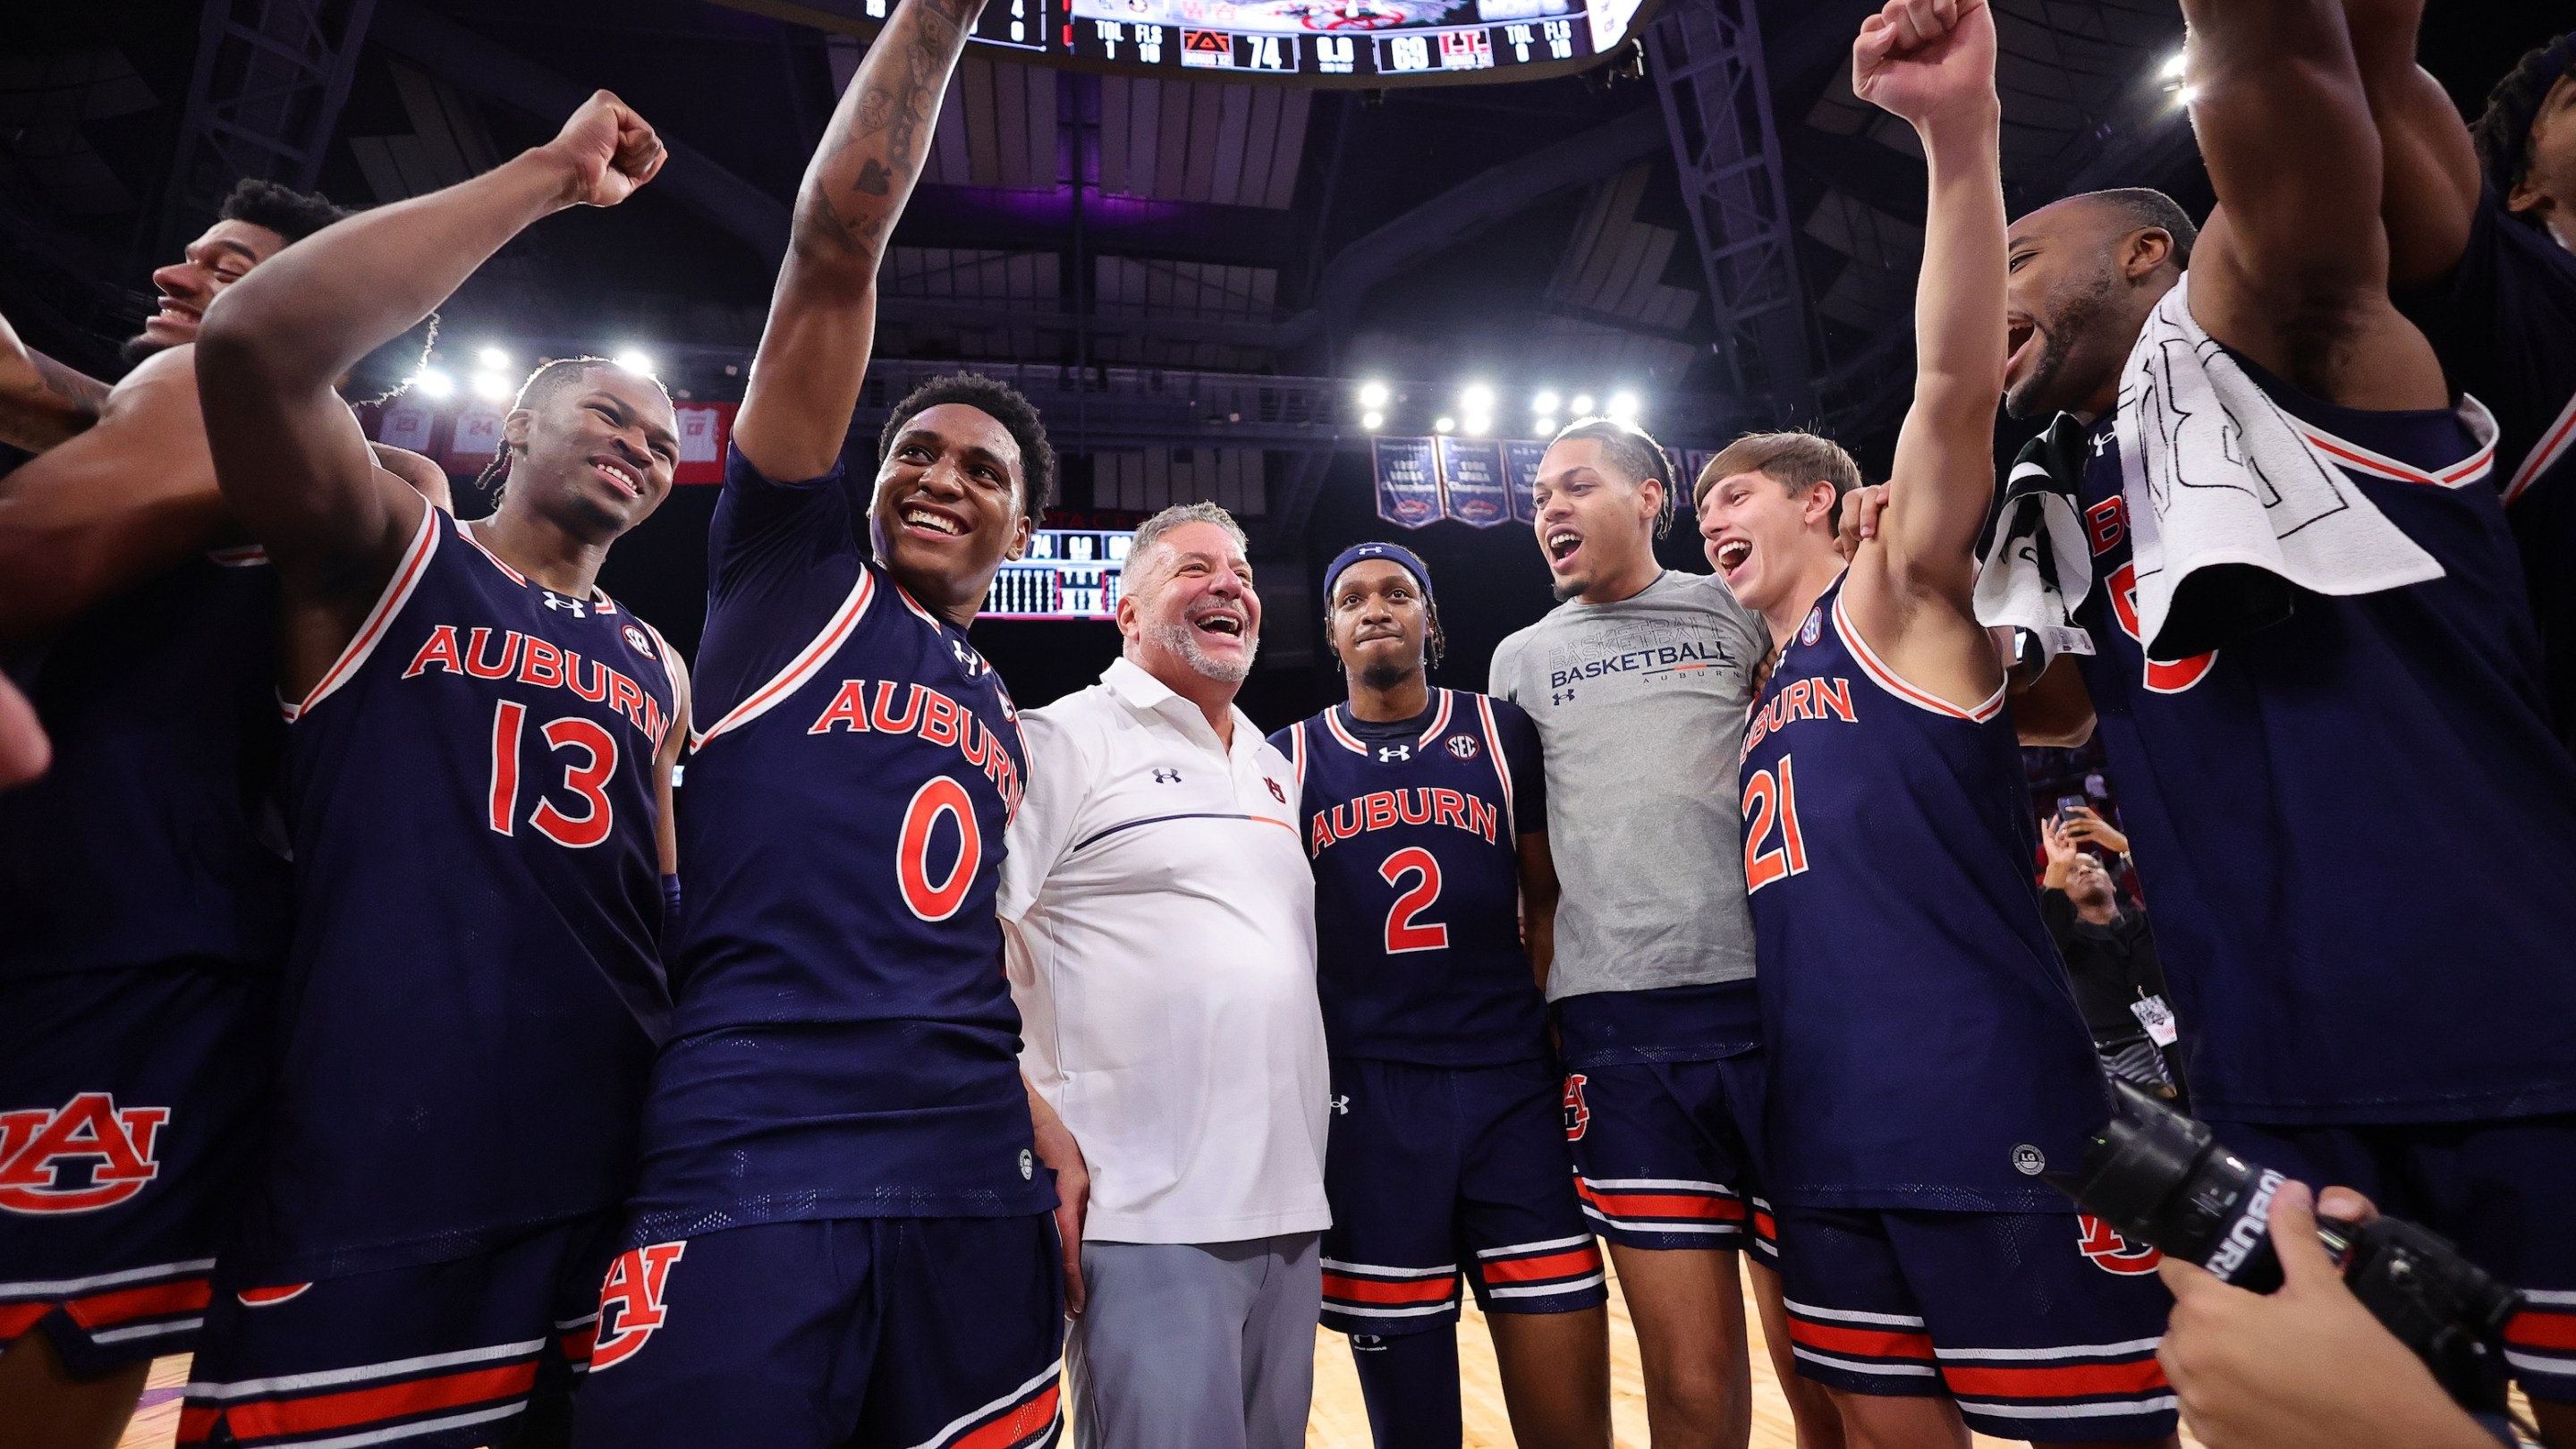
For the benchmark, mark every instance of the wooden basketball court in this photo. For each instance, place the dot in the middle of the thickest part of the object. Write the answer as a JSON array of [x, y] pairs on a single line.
[[1339, 1421]]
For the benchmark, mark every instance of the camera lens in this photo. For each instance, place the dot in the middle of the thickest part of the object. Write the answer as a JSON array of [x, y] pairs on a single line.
[[2161, 1178]]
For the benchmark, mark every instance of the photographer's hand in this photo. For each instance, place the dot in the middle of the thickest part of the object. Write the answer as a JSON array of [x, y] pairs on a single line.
[[2303, 1368]]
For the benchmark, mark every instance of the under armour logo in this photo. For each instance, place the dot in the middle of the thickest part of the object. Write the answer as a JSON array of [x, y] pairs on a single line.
[[1341, 1106], [974, 662], [1560, 696], [2101, 445], [1167, 777], [1389, 754], [557, 601]]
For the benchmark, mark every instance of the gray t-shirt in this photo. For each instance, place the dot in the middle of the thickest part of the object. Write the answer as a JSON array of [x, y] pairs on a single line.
[[1641, 706]]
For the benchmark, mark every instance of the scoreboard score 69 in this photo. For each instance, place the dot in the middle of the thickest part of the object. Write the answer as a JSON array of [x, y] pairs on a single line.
[[1368, 43]]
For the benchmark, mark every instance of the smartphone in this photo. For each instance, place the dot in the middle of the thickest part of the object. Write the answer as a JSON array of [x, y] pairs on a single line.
[[2067, 805]]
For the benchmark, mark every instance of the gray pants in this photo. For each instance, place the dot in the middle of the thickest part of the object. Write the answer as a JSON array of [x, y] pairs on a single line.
[[1196, 1345]]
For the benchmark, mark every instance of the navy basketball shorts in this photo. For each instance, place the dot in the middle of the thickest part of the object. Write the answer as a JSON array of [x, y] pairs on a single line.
[[1431, 1170], [126, 1118], [2040, 1326], [878, 1333], [2499, 1190], [1665, 1116], [429, 1356]]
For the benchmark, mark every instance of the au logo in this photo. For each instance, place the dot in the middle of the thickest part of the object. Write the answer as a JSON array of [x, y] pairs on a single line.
[[1578, 1116], [2111, 1252], [630, 1302], [88, 1155]]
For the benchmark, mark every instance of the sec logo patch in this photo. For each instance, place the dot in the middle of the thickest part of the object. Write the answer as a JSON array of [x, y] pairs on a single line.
[[1463, 746], [1815, 628], [636, 637]]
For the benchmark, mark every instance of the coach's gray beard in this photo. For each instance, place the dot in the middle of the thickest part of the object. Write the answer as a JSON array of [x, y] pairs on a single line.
[[1183, 640]]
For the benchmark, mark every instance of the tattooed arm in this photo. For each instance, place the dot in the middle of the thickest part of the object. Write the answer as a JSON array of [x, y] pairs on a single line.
[[42, 402], [823, 315]]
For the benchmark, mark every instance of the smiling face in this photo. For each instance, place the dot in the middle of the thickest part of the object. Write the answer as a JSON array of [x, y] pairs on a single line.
[[1763, 536], [2081, 284], [598, 453], [214, 261], [1595, 525], [1379, 622], [1191, 607], [948, 507]]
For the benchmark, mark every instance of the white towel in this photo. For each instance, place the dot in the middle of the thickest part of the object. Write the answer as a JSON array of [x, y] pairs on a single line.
[[2039, 560], [2216, 473]]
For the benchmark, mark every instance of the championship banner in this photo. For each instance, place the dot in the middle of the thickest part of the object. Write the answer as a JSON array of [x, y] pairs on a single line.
[[1408, 480], [1471, 482], [1520, 477], [704, 428], [474, 439]]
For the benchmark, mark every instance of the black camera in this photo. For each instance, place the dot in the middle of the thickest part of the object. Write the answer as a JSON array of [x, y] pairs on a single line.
[[2163, 1179]]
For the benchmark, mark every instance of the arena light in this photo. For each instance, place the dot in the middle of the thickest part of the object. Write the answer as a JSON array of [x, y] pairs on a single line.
[[634, 360], [434, 382], [491, 386], [1544, 427], [1544, 405], [494, 358], [1479, 425], [2186, 95], [1476, 399], [1372, 420], [1623, 407], [1373, 395], [1445, 425], [1581, 407], [2172, 68]]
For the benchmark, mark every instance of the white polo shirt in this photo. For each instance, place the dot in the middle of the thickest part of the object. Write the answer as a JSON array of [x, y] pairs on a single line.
[[1161, 921]]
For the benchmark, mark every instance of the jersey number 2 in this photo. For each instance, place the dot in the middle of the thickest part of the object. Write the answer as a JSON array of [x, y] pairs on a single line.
[[1405, 931], [1772, 800], [585, 780]]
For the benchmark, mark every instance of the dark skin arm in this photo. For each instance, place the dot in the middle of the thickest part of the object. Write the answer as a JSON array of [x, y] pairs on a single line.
[[1539, 892], [42, 402], [2056, 710], [2428, 165], [2292, 269], [823, 316], [288, 453]]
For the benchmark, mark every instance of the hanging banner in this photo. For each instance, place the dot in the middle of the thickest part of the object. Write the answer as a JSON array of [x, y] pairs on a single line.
[[407, 425], [1686, 488], [1408, 480], [704, 430], [1471, 482], [1520, 476], [474, 439]]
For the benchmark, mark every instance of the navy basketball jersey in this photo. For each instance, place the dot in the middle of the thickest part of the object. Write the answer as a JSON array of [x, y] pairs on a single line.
[[474, 990], [2501, 322], [1925, 1046], [156, 835], [1413, 829], [2347, 822], [845, 1044]]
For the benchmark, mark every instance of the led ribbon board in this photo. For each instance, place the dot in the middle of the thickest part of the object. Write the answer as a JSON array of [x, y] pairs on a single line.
[[1365, 43]]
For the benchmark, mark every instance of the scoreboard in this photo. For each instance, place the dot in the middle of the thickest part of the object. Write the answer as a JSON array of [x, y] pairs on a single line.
[[1066, 574], [1368, 43]]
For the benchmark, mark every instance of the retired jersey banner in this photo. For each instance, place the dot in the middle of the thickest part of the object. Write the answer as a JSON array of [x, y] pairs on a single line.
[[1520, 476], [1408, 480], [704, 430], [474, 439], [407, 425], [1471, 482]]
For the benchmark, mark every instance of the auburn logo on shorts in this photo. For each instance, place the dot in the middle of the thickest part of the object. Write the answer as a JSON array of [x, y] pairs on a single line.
[[630, 1302], [1578, 1116], [2111, 1252], [91, 1154]]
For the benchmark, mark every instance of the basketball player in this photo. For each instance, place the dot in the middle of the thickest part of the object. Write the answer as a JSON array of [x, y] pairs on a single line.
[[2375, 1005], [144, 882], [1425, 817], [476, 735], [842, 1234], [2482, 256], [1638, 684], [1927, 1057]]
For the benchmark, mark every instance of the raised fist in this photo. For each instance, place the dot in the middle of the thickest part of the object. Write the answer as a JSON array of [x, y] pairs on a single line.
[[610, 149], [1921, 58]]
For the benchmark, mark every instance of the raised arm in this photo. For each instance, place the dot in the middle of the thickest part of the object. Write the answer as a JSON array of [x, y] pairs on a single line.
[[288, 453], [42, 402], [2428, 169], [1932, 62], [2292, 267], [823, 315]]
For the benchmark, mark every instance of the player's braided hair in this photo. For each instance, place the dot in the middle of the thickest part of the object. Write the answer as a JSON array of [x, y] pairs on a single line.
[[540, 388], [2503, 130], [1633, 452]]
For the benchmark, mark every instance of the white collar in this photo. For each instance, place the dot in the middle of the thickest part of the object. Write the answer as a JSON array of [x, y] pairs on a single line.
[[1140, 690]]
